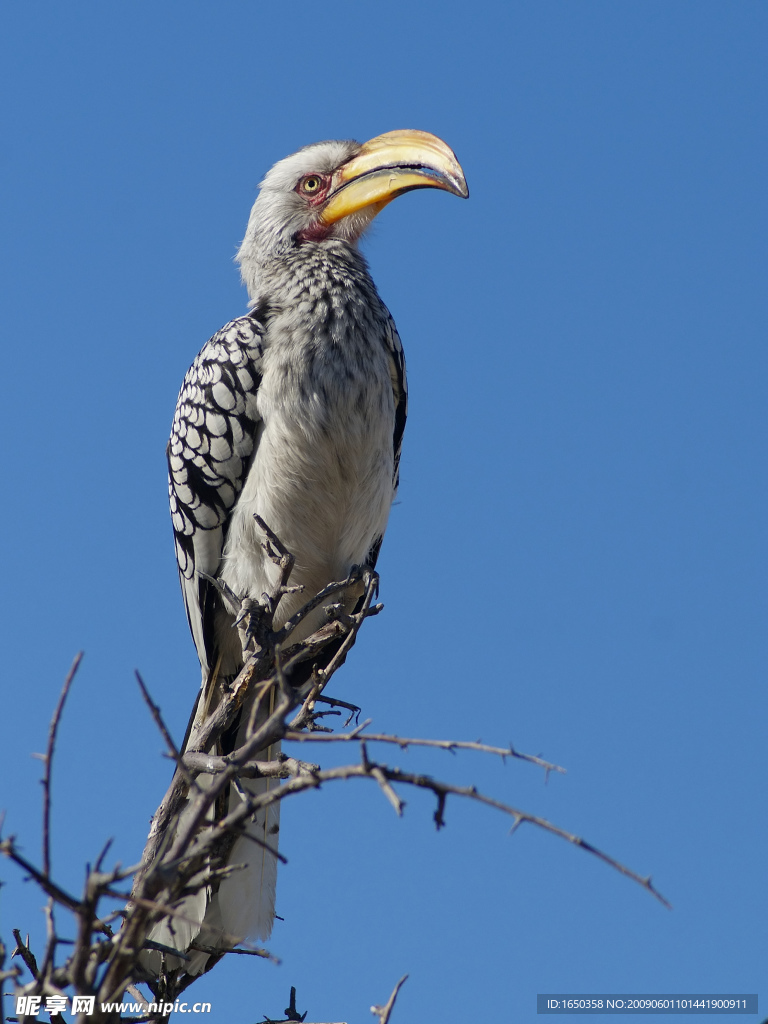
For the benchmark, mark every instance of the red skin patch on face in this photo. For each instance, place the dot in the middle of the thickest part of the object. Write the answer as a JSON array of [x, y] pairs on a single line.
[[318, 231], [315, 233]]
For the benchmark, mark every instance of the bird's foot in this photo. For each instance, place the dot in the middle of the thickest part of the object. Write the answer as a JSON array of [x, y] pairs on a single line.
[[252, 619], [371, 581]]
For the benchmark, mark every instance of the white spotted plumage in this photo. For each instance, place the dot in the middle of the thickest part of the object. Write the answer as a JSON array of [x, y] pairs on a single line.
[[294, 412], [212, 440]]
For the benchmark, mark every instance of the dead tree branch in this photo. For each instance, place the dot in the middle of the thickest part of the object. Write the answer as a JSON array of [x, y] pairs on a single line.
[[47, 759], [185, 854], [384, 775], [451, 746], [385, 1012]]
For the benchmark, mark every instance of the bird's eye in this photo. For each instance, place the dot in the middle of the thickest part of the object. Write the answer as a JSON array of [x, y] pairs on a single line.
[[310, 184]]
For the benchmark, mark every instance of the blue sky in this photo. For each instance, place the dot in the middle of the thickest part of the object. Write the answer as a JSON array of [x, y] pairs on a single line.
[[577, 563]]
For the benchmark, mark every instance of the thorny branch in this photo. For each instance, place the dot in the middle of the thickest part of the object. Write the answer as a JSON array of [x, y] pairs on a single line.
[[184, 856], [451, 746]]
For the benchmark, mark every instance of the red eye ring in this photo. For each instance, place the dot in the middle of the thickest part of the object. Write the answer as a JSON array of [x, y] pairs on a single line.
[[313, 186]]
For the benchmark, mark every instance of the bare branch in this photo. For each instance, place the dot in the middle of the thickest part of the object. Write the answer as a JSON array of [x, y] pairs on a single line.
[[451, 746], [164, 731], [321, 678], [26, 954], [376, 772], [442, 790], [384, 1012], [8, 848], [371, 581], [193, 832], [285, 768], [51, 939], [281, 557], [48, 760], [319, 598], [255, 951], [6, 975]]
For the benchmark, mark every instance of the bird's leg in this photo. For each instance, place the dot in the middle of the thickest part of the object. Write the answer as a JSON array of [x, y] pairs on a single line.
[[254, 619], [251, 626], [249, 615]]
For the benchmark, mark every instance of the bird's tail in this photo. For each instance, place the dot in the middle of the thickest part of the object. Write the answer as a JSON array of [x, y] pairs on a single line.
[[246, 898], [242, 905]]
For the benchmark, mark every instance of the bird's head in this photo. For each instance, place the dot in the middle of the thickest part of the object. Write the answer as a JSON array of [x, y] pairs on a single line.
[[335, 189]]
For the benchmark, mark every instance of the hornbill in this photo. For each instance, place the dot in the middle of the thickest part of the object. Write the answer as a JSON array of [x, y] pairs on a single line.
[[294, 412]]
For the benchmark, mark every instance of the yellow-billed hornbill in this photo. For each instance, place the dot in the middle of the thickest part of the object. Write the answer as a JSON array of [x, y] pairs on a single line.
[[294, 412]]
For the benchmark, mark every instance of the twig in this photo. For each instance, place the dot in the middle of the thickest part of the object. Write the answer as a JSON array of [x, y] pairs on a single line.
[[48, 760], [321, 677], [288, 627], [383, 782], [6, 975], [7, 847], [217, 950], [384, 1012], [282, 558], [450, 745], [136, 993], [371, 580], [154, 710], [51, 939], [26, 954]]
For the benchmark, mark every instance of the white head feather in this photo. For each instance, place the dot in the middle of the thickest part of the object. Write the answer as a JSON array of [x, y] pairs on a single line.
[[281, 214]]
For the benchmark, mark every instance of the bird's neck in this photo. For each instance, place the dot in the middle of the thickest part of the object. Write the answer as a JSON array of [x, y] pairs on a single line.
[[308, 270]]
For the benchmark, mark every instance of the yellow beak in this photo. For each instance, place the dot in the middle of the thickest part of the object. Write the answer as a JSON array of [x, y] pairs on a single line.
[[389, 165]]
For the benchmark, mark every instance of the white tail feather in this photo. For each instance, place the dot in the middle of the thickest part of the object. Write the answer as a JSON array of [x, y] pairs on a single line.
[[242, 906]]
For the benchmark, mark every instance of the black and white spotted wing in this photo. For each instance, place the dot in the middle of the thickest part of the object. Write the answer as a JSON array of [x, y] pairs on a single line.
[[215, 430], [214, 435]]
